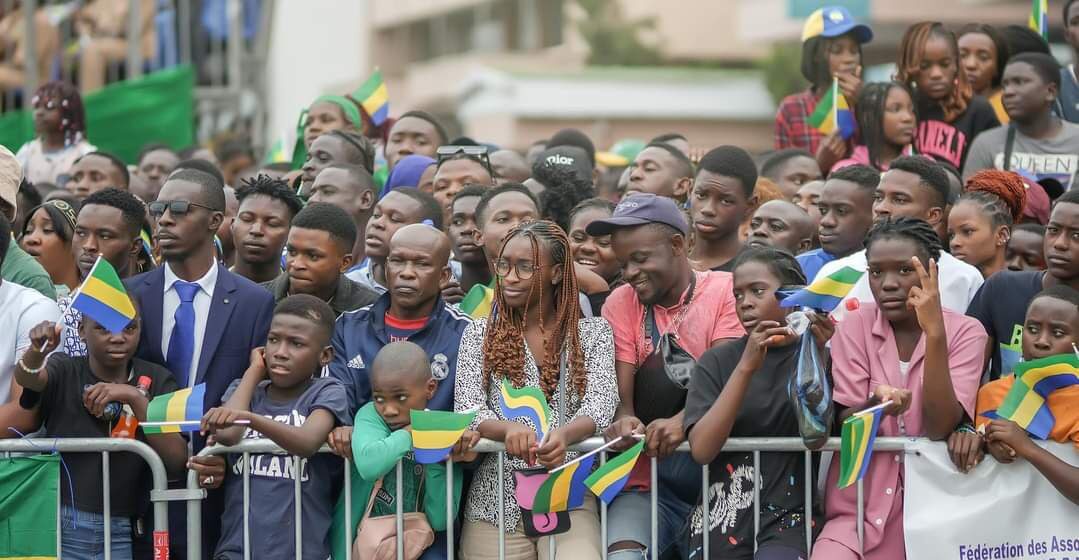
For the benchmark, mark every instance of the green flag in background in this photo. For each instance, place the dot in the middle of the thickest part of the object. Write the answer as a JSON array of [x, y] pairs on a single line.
[[125, 116], [28, 500]]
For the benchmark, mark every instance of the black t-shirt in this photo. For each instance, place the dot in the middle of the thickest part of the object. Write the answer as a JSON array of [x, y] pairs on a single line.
[[946, 141], [766, 412], [1001, 307], [64, 415], [729, 265]]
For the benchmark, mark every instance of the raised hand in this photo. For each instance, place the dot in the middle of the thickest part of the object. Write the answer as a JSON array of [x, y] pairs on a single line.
[[925, 299]]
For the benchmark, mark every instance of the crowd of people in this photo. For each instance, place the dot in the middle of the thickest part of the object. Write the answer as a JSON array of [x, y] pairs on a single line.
[[393, 268]]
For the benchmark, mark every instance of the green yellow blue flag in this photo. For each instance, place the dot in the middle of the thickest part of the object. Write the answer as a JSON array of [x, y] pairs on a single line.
[[611, 477], [856, 447], [374, 98], [478, 301], [833, 113], [825, 292], [1039, 17], [102, 297], [564, 490], [527, 403], [435, 432], [182, 410], [29, 491], [1025, 402]]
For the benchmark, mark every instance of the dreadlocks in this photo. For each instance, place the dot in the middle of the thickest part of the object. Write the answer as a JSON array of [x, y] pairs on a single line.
[[908, 67], [503, 346], [64, 96]]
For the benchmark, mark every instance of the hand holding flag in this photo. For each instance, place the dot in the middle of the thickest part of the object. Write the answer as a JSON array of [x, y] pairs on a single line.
[[436, 432], [856, 449], [833, 113]]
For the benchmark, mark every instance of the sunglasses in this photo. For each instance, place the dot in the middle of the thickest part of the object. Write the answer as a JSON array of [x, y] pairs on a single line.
[[476, 153], [176, 207]]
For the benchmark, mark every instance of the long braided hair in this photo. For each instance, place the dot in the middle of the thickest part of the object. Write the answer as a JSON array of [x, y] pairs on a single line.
[[908, 66], [72, 115], [504, 344]]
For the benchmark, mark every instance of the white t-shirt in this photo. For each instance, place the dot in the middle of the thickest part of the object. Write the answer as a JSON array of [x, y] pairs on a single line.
[[21, 309], [41, 166], [958, 282]]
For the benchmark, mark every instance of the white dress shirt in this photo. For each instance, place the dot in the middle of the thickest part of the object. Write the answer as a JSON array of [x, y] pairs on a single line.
[[171, 302], [957, 281]]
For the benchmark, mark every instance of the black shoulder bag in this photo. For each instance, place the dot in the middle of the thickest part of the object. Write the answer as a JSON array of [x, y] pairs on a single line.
[[659, 387]]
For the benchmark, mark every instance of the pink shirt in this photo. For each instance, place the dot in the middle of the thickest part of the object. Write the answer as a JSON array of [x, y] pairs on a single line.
[[711, 316], [864, 356]]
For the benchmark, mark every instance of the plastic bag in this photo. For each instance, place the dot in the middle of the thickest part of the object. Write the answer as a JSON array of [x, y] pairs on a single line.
[[811, 394]]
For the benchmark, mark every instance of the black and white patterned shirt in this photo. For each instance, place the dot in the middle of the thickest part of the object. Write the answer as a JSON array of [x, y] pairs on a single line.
[[599, 403]]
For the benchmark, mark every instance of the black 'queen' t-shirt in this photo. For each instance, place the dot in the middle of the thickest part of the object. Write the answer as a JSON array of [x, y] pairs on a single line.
[[766, 412]]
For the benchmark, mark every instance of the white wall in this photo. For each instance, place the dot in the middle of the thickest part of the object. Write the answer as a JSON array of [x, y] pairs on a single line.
[[316, 47]]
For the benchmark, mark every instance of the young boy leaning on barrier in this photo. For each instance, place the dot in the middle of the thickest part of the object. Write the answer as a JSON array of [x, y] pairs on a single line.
[[283, 399], [1051, 327], [401, 382], [76, 397]]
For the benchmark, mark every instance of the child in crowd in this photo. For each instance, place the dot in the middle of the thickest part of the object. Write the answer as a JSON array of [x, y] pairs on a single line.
[[1025, 250], [886, 122], [983, 52], [70, 397], [906, 349], [732, 393], [949, 114], [831, 49], [401, 382], [283, 398], [594, 253], [59, 134], [980, 223], [1052, 327]]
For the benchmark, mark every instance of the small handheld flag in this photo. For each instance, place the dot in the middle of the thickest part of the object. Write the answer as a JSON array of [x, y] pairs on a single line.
[[374, 98], [1039, 17], [435, 432], [564, 490], [611, 477], [181, 409], [103, 298], [856, 447], [833, 113], [527, 403], [825, 292], [1025, 402]]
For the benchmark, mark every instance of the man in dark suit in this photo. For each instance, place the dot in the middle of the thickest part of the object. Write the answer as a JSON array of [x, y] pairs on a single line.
[[189, 304]]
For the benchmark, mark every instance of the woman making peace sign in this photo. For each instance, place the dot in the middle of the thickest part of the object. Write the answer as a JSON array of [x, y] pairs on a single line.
[[906, 349]]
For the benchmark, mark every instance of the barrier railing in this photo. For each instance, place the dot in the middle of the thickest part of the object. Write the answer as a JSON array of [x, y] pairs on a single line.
[[159, 494], [754, 445]]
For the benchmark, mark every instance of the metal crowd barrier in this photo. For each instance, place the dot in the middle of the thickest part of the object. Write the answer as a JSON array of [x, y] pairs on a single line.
[[159, 495], [754, 445]]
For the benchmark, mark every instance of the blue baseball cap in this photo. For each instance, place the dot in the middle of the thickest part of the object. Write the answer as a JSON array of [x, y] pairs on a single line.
[[833, 21], [638, 210]]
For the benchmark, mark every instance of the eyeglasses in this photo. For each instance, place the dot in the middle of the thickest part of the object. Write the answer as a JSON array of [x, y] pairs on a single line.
[[525, 269], [177, 207]]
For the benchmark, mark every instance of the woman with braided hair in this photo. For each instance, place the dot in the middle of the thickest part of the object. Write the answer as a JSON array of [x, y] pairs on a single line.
[[535, 337], [60, 129], [980, 223], [904, 350], [886, 123], [950, 116]]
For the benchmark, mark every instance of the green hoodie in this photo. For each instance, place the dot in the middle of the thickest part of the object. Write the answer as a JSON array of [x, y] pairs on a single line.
[[375, 451]]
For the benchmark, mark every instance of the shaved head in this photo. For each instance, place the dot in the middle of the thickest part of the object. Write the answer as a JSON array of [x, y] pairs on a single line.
[[509, 167], [425, 238], [783, 225], [402, 360]]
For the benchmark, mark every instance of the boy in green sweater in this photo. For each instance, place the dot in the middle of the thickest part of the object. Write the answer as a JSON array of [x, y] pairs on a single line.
[[401, 381]]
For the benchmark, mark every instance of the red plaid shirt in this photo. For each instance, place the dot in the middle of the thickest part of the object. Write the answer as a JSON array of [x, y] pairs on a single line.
[[792, 130]]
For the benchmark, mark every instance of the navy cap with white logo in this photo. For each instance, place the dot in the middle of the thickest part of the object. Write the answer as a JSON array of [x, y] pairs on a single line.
[[638, 210]]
